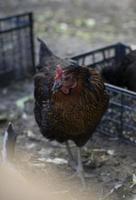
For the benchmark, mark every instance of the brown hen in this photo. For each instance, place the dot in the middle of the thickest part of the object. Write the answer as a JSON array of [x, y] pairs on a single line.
[[69, 104]]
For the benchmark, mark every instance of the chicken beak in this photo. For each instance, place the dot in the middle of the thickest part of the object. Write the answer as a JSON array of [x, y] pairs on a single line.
[[56, 86]]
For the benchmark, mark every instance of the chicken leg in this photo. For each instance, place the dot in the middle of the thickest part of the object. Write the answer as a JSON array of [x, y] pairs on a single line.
[[80, 169], [79, 166], [72, 163]]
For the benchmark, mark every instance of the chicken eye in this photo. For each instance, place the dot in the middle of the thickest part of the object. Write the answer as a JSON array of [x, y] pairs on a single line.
[[66, 78]]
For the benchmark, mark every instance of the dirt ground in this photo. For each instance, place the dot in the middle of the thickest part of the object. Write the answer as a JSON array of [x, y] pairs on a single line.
[[71, 27]]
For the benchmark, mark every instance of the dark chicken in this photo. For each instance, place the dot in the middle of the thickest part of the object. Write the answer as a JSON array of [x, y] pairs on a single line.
[[123, 74], [69, 104]]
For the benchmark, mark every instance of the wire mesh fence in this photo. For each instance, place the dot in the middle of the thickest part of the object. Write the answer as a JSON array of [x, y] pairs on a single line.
[[16, 48], [120, 118]]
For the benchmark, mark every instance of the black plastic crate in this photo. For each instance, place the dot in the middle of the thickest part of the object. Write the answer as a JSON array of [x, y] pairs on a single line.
[[16, 48], [120, 118]]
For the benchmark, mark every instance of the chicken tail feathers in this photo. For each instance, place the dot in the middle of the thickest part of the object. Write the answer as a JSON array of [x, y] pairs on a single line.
[[9, 142]]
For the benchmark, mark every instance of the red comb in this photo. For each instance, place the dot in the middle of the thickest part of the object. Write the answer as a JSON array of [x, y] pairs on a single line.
[[58, 72]]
